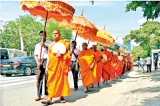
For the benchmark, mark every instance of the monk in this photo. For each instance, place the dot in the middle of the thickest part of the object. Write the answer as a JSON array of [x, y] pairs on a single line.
[[87, 66], [119, 67], [57, 70], [130, 62], [113, 66], [126, 64], [98, 58], [106, 65]]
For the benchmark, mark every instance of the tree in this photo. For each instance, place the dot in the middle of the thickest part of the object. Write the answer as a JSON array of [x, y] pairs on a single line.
[[52, 25], [147, 36], [26, 26], [138, 51], [151, 9], [29, 28]]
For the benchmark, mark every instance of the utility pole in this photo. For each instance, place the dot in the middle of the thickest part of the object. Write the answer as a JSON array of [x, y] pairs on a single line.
[[21, 39]]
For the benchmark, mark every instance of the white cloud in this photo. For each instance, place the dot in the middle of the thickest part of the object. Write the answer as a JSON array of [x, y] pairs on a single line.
[[141, 21]]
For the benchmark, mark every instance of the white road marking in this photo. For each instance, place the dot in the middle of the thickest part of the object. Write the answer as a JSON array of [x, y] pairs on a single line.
[[134, 96], [137, 87], [10, 80], [18, 83]]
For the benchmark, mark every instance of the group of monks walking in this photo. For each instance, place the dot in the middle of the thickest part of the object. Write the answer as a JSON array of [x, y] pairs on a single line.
[[94, 66]]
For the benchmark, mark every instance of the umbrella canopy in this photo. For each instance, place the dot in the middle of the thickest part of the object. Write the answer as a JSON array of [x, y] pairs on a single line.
[[101, 41], [82, 26], [58, 10], [105, 35]]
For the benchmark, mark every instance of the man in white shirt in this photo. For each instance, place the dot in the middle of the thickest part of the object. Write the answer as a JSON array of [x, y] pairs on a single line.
[[148, 62], [75, 53], [141, 63], [41, 64]]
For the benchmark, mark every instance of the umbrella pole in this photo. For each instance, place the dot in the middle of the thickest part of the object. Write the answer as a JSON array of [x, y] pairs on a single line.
[[76, 35], [38, 74], [43, 33], [88, 41]]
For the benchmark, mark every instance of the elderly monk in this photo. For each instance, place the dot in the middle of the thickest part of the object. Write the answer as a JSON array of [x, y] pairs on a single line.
[[120, 64], [87, 66], [58, 64], [98, 62], [106, 65]]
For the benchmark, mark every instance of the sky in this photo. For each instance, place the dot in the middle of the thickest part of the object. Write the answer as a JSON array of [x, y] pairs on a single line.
[[109, 13]]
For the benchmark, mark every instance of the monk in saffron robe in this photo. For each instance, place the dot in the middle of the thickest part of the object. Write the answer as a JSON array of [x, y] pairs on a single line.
[[119, 67], [106, 65], [98, 62], [87, 66], [57, 70], [113, 66], [126, 64], [130, 63]]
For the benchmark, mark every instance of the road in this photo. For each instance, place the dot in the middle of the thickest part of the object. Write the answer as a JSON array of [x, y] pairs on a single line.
[[127, 91]]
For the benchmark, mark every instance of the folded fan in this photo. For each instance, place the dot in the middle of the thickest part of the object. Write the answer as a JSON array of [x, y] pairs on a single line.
[[120, 58], [59, 48]]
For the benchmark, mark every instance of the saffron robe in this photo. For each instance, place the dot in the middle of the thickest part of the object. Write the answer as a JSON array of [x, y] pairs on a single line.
[[58, 69], [98, 55], [85, 59], [106, 67], [113, 66]]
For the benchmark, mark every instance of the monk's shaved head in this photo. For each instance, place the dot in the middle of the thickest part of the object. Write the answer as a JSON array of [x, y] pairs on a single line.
[[104, 48], [94, 47], [84, 46]]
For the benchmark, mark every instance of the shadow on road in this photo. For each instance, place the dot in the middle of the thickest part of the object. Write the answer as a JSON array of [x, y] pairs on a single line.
[[151, 101]]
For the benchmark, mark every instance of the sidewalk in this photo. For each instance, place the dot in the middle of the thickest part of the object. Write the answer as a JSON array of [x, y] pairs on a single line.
[[147, 91], [133, 89]]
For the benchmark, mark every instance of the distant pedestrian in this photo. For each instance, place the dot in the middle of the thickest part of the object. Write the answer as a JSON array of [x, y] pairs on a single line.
[[155, 61], [141, 63], [148, 62], [138, 63]]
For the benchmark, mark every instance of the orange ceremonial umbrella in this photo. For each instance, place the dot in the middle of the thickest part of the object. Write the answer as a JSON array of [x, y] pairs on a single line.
[[57, 10], [105, 35], [82, 26]]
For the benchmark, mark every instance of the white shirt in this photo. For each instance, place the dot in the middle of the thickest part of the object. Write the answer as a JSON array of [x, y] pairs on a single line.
[[141, 61], [76, 51], [148, 60], [44, 50]]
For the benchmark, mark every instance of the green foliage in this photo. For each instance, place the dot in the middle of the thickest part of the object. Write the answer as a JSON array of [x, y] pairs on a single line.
[[151, 9], [52, 25], [139, 52], [29, 28], [99, 46], [148, 36]]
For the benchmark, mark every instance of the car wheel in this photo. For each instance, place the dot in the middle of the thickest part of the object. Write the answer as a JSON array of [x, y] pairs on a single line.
[[7, 74], [28, 71]]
